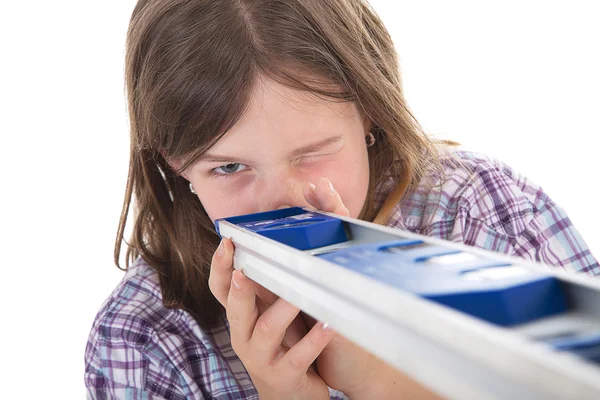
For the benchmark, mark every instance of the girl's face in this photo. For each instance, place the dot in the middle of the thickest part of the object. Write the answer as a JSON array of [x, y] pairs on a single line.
[[285, 140]]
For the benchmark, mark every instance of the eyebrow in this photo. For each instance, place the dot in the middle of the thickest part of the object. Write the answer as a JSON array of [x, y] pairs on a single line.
[[309, 148]]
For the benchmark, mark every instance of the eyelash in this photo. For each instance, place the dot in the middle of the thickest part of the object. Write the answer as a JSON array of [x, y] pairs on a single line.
[[227, 175], [233, 174]]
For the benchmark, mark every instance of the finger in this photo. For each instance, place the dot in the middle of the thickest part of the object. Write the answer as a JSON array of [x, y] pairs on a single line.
[[297, 328], [311, 196], [309, 323], [271, 327], [293, 333], [305, 352], [242, 312], [325, 197], [221, 270]]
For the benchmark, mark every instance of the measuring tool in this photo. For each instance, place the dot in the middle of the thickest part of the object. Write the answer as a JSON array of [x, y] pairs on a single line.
[[465, 322]]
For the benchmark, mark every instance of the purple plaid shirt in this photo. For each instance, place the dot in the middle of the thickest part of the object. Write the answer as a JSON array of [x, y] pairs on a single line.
[[138, 349]]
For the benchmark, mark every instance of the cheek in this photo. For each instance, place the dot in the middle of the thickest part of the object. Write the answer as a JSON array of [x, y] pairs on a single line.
[[355, 183], [353, 191], [350, 177], [213, 207], [221, 202]]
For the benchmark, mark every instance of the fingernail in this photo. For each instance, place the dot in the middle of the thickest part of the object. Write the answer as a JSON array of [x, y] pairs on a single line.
[[236, 284], [325, 327], [331, 188], [312, 187], [221, 249]]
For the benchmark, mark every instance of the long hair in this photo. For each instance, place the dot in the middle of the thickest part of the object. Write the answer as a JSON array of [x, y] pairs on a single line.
[[190, 69]]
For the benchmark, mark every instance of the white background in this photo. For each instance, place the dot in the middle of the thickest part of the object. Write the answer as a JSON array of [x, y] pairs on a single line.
[[518, 80]]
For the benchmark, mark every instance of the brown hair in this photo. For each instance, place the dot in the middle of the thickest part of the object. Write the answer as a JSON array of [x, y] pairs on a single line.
[[190, 69]]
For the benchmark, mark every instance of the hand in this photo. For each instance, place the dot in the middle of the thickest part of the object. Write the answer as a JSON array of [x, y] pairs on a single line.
[[276, 371], [320, 196], [220, 279], [259, 329], [276, 352]]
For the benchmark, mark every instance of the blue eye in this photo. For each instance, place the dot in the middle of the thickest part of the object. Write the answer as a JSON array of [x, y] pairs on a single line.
[[229, 169]]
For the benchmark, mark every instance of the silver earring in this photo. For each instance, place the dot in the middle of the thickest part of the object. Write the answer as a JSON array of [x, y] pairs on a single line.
[[370, 139], [192, 188]]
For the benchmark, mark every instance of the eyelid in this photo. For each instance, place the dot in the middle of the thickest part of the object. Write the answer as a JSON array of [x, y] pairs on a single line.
[[317, 154], [331, 148], [213, 171]]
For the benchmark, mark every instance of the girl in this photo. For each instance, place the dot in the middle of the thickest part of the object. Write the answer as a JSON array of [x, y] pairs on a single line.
[[242, 106]]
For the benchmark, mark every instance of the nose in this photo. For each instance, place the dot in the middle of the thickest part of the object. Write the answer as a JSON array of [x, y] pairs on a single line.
[[281, 190]]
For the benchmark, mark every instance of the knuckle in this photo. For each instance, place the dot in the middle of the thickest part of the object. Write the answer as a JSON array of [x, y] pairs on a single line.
[[312, 342], [232, 317], [214, 260], [212, 283], [264, 328], [217, 290], [215, 269], [295, 363]]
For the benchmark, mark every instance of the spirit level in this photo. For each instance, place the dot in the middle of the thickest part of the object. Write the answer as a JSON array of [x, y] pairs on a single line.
[[465, 322]]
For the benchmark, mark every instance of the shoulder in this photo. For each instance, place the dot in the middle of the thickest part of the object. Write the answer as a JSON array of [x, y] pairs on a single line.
[[477, 186], [481, 201], [134, 310], [122, 350], [137, 345]]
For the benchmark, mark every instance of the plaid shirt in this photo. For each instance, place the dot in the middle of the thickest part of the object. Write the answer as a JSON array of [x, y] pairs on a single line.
[[138, 349]]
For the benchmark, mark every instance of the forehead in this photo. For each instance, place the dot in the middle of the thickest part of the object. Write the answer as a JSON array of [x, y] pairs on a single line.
[[274, 98], [284, 112]]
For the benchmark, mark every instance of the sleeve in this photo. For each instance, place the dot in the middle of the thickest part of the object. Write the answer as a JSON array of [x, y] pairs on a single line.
[[551, 238], [99, 388], [123, 363], [491, 206], [519, 213], [336, 394]]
